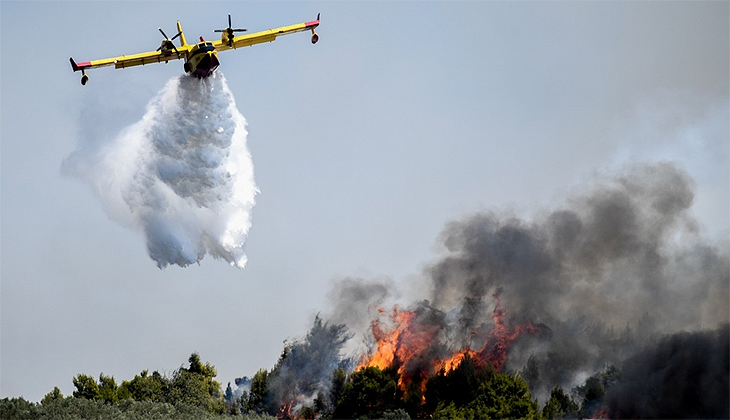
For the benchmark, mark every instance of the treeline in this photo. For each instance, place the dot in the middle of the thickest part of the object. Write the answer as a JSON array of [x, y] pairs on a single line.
[[466, 392], [189, 393]]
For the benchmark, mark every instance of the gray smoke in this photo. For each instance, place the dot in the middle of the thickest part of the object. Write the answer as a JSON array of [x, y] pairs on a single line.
[[304, 370], [609, 273], [355, 303], [616, 268]]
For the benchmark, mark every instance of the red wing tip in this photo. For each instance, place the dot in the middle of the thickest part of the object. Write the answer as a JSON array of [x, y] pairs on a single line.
[[313, 23]]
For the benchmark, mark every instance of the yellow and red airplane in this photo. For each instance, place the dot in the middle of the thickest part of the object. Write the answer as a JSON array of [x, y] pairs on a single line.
[[201, 59]]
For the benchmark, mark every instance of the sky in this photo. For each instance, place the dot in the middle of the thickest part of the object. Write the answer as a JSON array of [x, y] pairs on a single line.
[[405, 116]]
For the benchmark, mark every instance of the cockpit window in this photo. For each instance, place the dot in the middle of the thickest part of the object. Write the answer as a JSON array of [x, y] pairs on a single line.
[[206, 47]]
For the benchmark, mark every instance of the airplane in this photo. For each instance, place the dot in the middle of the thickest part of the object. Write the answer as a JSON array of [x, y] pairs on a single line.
[[201, 59]]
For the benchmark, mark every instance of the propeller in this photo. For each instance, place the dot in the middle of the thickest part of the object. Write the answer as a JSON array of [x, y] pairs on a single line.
[[167, 43], [230, 31]]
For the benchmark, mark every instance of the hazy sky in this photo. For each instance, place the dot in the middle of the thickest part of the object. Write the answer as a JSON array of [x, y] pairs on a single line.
[[404, 116]]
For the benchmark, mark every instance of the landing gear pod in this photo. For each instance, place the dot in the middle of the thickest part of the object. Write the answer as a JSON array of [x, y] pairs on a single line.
[[315, 37], [84, 79]]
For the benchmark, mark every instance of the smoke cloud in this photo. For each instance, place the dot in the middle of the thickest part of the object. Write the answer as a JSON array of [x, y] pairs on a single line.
[[182, 174], [564, 294], [616, 268]]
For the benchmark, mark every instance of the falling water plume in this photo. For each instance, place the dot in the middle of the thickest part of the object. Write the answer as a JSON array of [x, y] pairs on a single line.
[[182, 174]]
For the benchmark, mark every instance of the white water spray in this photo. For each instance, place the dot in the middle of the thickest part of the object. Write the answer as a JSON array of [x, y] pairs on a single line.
[[182, 174]]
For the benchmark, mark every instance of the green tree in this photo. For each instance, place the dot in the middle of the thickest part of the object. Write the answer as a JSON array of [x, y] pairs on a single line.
[[413, 400], [369, 393], [145, 387], [472, 391], [339, 377], [559, 406], [18, 408], [590, 395], [123, 392], [195, 386], [208, 372], [505, 396], [188, 388], [86, 387], [458, 386], [259, 392], [52, 396], [108, 389]]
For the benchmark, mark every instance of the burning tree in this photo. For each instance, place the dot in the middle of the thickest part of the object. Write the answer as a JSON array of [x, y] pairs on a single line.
[[415, 343]]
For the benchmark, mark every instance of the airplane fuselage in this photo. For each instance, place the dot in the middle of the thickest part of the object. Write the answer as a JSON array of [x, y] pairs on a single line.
[[202, 60]]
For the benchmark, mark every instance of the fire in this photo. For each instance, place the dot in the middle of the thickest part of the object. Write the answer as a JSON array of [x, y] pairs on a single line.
[[409, 342], [455, 360], [285, 410], [404, 341], [500, 338]]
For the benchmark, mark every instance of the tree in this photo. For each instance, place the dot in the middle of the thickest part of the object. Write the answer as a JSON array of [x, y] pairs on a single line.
[[206, 371], [18, 408], [195, 386], [369, 393], [259, 391], [470, 391], [559, 406], [591, 396], [189, 388], [232, 405], [306, 413], [458, 386], [108, 389], [320, 403], [145, 387], [339, 377], [413, 400], [592, 392], [504, 396], [52, 396], [86, 387]]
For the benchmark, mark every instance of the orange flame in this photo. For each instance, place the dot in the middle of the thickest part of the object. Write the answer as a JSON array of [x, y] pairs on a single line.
[[406, 339], [403, 341], [454, 361], [285, 410]]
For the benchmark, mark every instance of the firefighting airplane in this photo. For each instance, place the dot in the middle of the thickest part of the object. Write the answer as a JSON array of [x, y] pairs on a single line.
[[201, 59]]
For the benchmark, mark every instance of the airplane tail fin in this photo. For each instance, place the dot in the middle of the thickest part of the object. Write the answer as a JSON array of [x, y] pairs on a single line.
[[73, 64], [183, 42]]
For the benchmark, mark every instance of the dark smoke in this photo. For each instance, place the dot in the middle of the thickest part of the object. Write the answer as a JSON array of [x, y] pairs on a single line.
[[609, 273], [686, 375]]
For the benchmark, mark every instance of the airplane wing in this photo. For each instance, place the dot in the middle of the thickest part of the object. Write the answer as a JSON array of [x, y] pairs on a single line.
[[124, 61], [267, 36]]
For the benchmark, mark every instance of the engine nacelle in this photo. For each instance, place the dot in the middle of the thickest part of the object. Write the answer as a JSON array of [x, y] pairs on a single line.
[[84, 79], [315, 37], [227, 38]]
